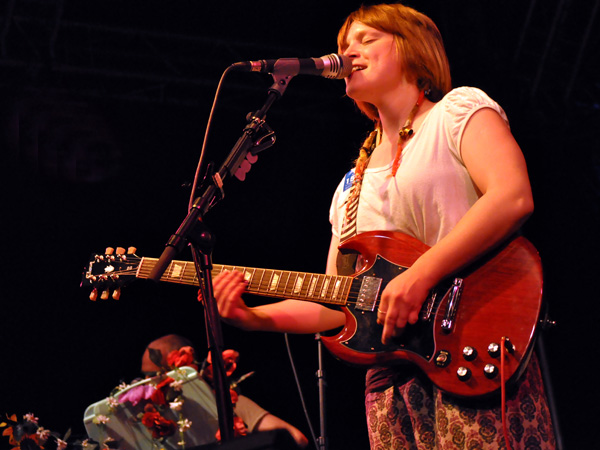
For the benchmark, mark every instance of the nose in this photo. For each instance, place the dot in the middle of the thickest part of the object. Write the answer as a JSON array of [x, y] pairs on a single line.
[[350, 51]]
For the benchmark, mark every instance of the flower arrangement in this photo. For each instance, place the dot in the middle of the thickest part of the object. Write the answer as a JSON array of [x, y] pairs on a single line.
[[26, 434], [151, 401]]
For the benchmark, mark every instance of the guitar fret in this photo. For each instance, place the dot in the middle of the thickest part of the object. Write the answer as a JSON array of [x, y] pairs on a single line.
[[185, 274], [287, 280], [310, 286], [260, 281], [332, 282], [319, 285], [347, 286]]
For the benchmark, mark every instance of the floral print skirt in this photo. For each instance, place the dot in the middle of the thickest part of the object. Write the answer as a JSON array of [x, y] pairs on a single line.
[[417, 416]]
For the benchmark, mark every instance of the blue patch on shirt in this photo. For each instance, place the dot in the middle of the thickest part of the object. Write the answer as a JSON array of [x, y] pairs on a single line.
[[348, 180]]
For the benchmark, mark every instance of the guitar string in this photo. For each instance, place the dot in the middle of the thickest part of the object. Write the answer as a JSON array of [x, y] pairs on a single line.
[[256, 286], [191, 280]]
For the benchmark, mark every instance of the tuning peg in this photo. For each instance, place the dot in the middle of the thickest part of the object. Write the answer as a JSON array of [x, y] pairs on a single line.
[[120, 254], [110, 254], [116, 294], [94, 295], [104, 295], [131, 250]]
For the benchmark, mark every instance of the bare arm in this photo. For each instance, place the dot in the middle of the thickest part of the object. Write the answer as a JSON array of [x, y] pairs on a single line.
[[497, 167], [271, 422], [288, 316]]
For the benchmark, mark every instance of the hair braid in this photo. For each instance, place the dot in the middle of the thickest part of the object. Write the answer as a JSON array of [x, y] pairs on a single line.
[[361, 164]]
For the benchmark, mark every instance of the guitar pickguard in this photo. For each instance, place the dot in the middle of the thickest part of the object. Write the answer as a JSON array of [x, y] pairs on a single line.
[[418, 338]]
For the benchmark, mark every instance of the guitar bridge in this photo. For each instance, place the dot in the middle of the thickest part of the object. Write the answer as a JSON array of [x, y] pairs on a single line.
[[368, 293]]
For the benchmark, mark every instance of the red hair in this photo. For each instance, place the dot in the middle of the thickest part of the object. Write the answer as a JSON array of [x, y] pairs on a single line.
[[418, 42]]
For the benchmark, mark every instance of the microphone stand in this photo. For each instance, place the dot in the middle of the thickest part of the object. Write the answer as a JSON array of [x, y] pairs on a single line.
[[193, 231], [322, 441]]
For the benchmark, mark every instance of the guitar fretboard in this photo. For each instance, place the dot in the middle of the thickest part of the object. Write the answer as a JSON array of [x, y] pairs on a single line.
[[331, 289]]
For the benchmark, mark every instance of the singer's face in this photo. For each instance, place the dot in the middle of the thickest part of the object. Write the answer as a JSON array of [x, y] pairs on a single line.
[[377, 70]]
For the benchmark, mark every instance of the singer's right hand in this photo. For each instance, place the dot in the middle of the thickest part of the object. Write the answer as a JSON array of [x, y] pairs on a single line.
[[228, 288]]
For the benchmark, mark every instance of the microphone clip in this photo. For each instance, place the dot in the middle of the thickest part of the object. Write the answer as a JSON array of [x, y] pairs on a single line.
[[265, 139]]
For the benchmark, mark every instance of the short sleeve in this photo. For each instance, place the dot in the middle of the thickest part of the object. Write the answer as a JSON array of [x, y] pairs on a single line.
[[249, 412], [459, 105]]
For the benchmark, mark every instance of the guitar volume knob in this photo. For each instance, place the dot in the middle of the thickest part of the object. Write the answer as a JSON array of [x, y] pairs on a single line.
[[490, 371], [494, 350], [469, 353], [463, 373]]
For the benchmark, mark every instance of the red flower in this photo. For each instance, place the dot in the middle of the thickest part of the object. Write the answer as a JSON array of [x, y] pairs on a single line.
[[158, 396], [182, 357], [234, 396], [157, 424], [239, 428], [230, 358]]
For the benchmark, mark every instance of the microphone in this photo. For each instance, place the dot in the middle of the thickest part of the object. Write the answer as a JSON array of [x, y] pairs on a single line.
[[331, 66]]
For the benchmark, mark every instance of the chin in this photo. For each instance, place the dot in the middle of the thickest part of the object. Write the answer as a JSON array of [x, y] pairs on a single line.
[[357, 95]]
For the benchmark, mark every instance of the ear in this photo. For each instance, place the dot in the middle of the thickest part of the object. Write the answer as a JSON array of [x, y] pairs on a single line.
[[155, 356]]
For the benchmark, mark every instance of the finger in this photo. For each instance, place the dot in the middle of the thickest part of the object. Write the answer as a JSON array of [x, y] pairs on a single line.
[[380, 316], [395, 322], [224, 279], [388, 331], [381, 312], [228, 290], [413, 317], [389, 327]]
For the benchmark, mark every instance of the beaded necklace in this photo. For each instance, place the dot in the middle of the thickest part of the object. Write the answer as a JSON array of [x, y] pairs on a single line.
[[406, 133]]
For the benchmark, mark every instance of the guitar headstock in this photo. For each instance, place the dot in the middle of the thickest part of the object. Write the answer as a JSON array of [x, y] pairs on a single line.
[[110, 271]]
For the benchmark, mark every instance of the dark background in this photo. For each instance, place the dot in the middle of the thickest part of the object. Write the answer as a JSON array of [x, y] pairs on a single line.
[[103, 110]]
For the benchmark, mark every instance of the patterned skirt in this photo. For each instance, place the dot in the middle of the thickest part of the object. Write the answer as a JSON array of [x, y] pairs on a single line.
[[418, 416]]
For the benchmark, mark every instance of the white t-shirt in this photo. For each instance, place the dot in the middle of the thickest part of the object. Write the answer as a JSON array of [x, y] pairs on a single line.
[[432, 189]]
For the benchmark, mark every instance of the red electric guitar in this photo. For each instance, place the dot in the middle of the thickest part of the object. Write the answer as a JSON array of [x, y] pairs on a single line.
[[456, 342]]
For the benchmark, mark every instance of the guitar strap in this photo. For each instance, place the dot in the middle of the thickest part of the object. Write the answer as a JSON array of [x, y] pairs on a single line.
[[346, 262]]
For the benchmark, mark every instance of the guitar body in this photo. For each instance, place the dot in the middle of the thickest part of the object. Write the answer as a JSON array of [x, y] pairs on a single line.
[[501, 297]]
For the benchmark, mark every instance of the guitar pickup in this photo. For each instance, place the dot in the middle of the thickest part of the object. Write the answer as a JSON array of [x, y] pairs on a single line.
[[368, 293], [427, 308]]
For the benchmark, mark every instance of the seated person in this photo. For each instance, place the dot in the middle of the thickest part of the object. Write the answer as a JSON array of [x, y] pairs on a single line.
[[254, 417]]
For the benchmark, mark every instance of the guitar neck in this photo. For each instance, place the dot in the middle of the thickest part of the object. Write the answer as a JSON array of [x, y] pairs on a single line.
[[283, 284]]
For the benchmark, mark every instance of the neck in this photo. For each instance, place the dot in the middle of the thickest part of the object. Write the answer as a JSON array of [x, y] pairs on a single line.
[[393, 116]]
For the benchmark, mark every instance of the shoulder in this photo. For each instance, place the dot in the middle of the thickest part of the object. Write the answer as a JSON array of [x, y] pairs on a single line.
[[457, 107], [464, 101]]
